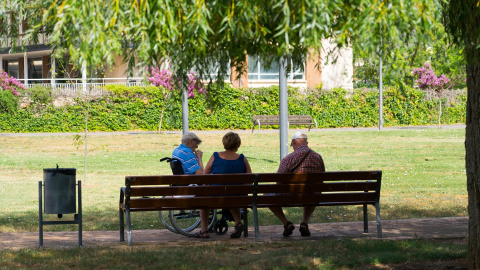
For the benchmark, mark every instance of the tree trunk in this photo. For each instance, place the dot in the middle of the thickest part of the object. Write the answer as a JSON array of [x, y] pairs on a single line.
[[472, 164], [439, 111], [161, 118], [166, 94]]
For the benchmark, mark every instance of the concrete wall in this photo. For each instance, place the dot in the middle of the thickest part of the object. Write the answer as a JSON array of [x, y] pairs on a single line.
[[337, 66], [119, 70]]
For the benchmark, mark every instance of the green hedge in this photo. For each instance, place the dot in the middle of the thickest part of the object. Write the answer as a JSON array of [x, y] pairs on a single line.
[[138, 108]]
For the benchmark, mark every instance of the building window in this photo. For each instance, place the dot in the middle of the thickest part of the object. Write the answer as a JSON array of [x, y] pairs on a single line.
[[11, 68], [35, 69], [213, 71], [258, 71]]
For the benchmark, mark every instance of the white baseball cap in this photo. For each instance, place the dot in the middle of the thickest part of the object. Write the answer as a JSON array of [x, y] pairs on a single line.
[[299, 135]]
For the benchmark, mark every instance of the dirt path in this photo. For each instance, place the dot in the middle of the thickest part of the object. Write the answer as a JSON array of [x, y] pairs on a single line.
[[450, 228]]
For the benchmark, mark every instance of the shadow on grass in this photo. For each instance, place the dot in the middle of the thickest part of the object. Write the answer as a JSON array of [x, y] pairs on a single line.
[[261, 159], [321, 254], [108, 219]]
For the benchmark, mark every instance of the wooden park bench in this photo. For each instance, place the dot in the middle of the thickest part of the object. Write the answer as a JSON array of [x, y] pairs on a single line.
[[154, 193], [298, 120]]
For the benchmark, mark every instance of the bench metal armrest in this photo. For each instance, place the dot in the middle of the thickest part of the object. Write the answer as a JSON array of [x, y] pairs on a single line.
[[257, 121], [122, 194]]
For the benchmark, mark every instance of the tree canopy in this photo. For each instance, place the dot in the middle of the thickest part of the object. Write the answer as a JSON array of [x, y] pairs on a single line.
[[200, 35]]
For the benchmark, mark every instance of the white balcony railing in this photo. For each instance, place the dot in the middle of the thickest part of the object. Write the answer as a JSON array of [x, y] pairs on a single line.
[[76, 86]]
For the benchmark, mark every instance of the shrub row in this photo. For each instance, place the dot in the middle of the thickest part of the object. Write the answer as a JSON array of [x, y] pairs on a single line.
[[138, 108]]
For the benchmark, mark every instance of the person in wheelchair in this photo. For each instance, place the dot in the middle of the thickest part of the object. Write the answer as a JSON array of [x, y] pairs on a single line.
[[227, 161], [189, 155]]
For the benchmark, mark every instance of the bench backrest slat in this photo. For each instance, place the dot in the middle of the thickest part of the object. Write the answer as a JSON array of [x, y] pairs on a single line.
[[243, 178], [137, 191], [317, 187], [318, 177]]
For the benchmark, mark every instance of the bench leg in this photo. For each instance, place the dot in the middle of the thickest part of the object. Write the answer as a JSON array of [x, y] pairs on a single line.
[[245, 222], [365, 218], [379, 221], [255, 223], [129, 227], [122, 225]]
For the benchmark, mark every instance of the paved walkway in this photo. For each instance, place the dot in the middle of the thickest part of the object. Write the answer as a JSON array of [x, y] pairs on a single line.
[[450, 228], [457, 126]]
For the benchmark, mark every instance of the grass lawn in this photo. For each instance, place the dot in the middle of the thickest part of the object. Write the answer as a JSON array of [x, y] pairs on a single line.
[[423, 172], [325, 254]]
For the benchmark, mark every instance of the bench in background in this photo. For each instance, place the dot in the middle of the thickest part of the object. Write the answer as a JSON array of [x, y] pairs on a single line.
[[298, 120]]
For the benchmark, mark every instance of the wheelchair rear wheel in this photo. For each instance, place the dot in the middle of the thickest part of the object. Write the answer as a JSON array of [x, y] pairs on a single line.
[[165, 219], [185, 221]]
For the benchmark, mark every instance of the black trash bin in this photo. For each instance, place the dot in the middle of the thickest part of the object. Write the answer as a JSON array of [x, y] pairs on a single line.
[[59, 191], [59, 197]]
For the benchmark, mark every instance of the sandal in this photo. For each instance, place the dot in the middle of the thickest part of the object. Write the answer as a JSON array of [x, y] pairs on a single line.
[[238, 231], [304, 229], [201, 234], [288, 228]]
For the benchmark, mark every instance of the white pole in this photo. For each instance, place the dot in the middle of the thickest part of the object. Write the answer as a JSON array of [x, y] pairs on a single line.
[[53, 72], [1, 63], [84, 76], [84, 85], [380, 86], [25, 68], [185, 121], [380, 90], [283, 114]]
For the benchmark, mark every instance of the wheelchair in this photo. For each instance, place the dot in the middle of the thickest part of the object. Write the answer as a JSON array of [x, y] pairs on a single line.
[[185, 221]]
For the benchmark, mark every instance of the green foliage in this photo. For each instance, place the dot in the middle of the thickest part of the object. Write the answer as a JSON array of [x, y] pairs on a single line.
[[445, 59], [40, 94], [200, 35], [8, 102], [139, 108], [460, 23]]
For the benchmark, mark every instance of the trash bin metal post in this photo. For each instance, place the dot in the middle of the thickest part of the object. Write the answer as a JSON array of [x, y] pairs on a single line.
[[40, 216]]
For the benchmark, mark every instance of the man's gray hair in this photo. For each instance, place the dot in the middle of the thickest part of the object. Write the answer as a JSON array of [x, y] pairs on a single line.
[[190, 136]]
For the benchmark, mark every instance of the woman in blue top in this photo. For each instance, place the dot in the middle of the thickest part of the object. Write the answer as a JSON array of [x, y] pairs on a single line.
[[227, 161]]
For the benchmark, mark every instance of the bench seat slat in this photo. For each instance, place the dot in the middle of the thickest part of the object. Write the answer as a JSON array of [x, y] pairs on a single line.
[[313, 199], [192, 202]]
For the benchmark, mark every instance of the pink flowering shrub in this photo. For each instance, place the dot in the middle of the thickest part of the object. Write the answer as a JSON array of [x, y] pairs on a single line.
[[194, 83], [161, 78], [427, 80], [9, 83], [9, 87], [166, 80]]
